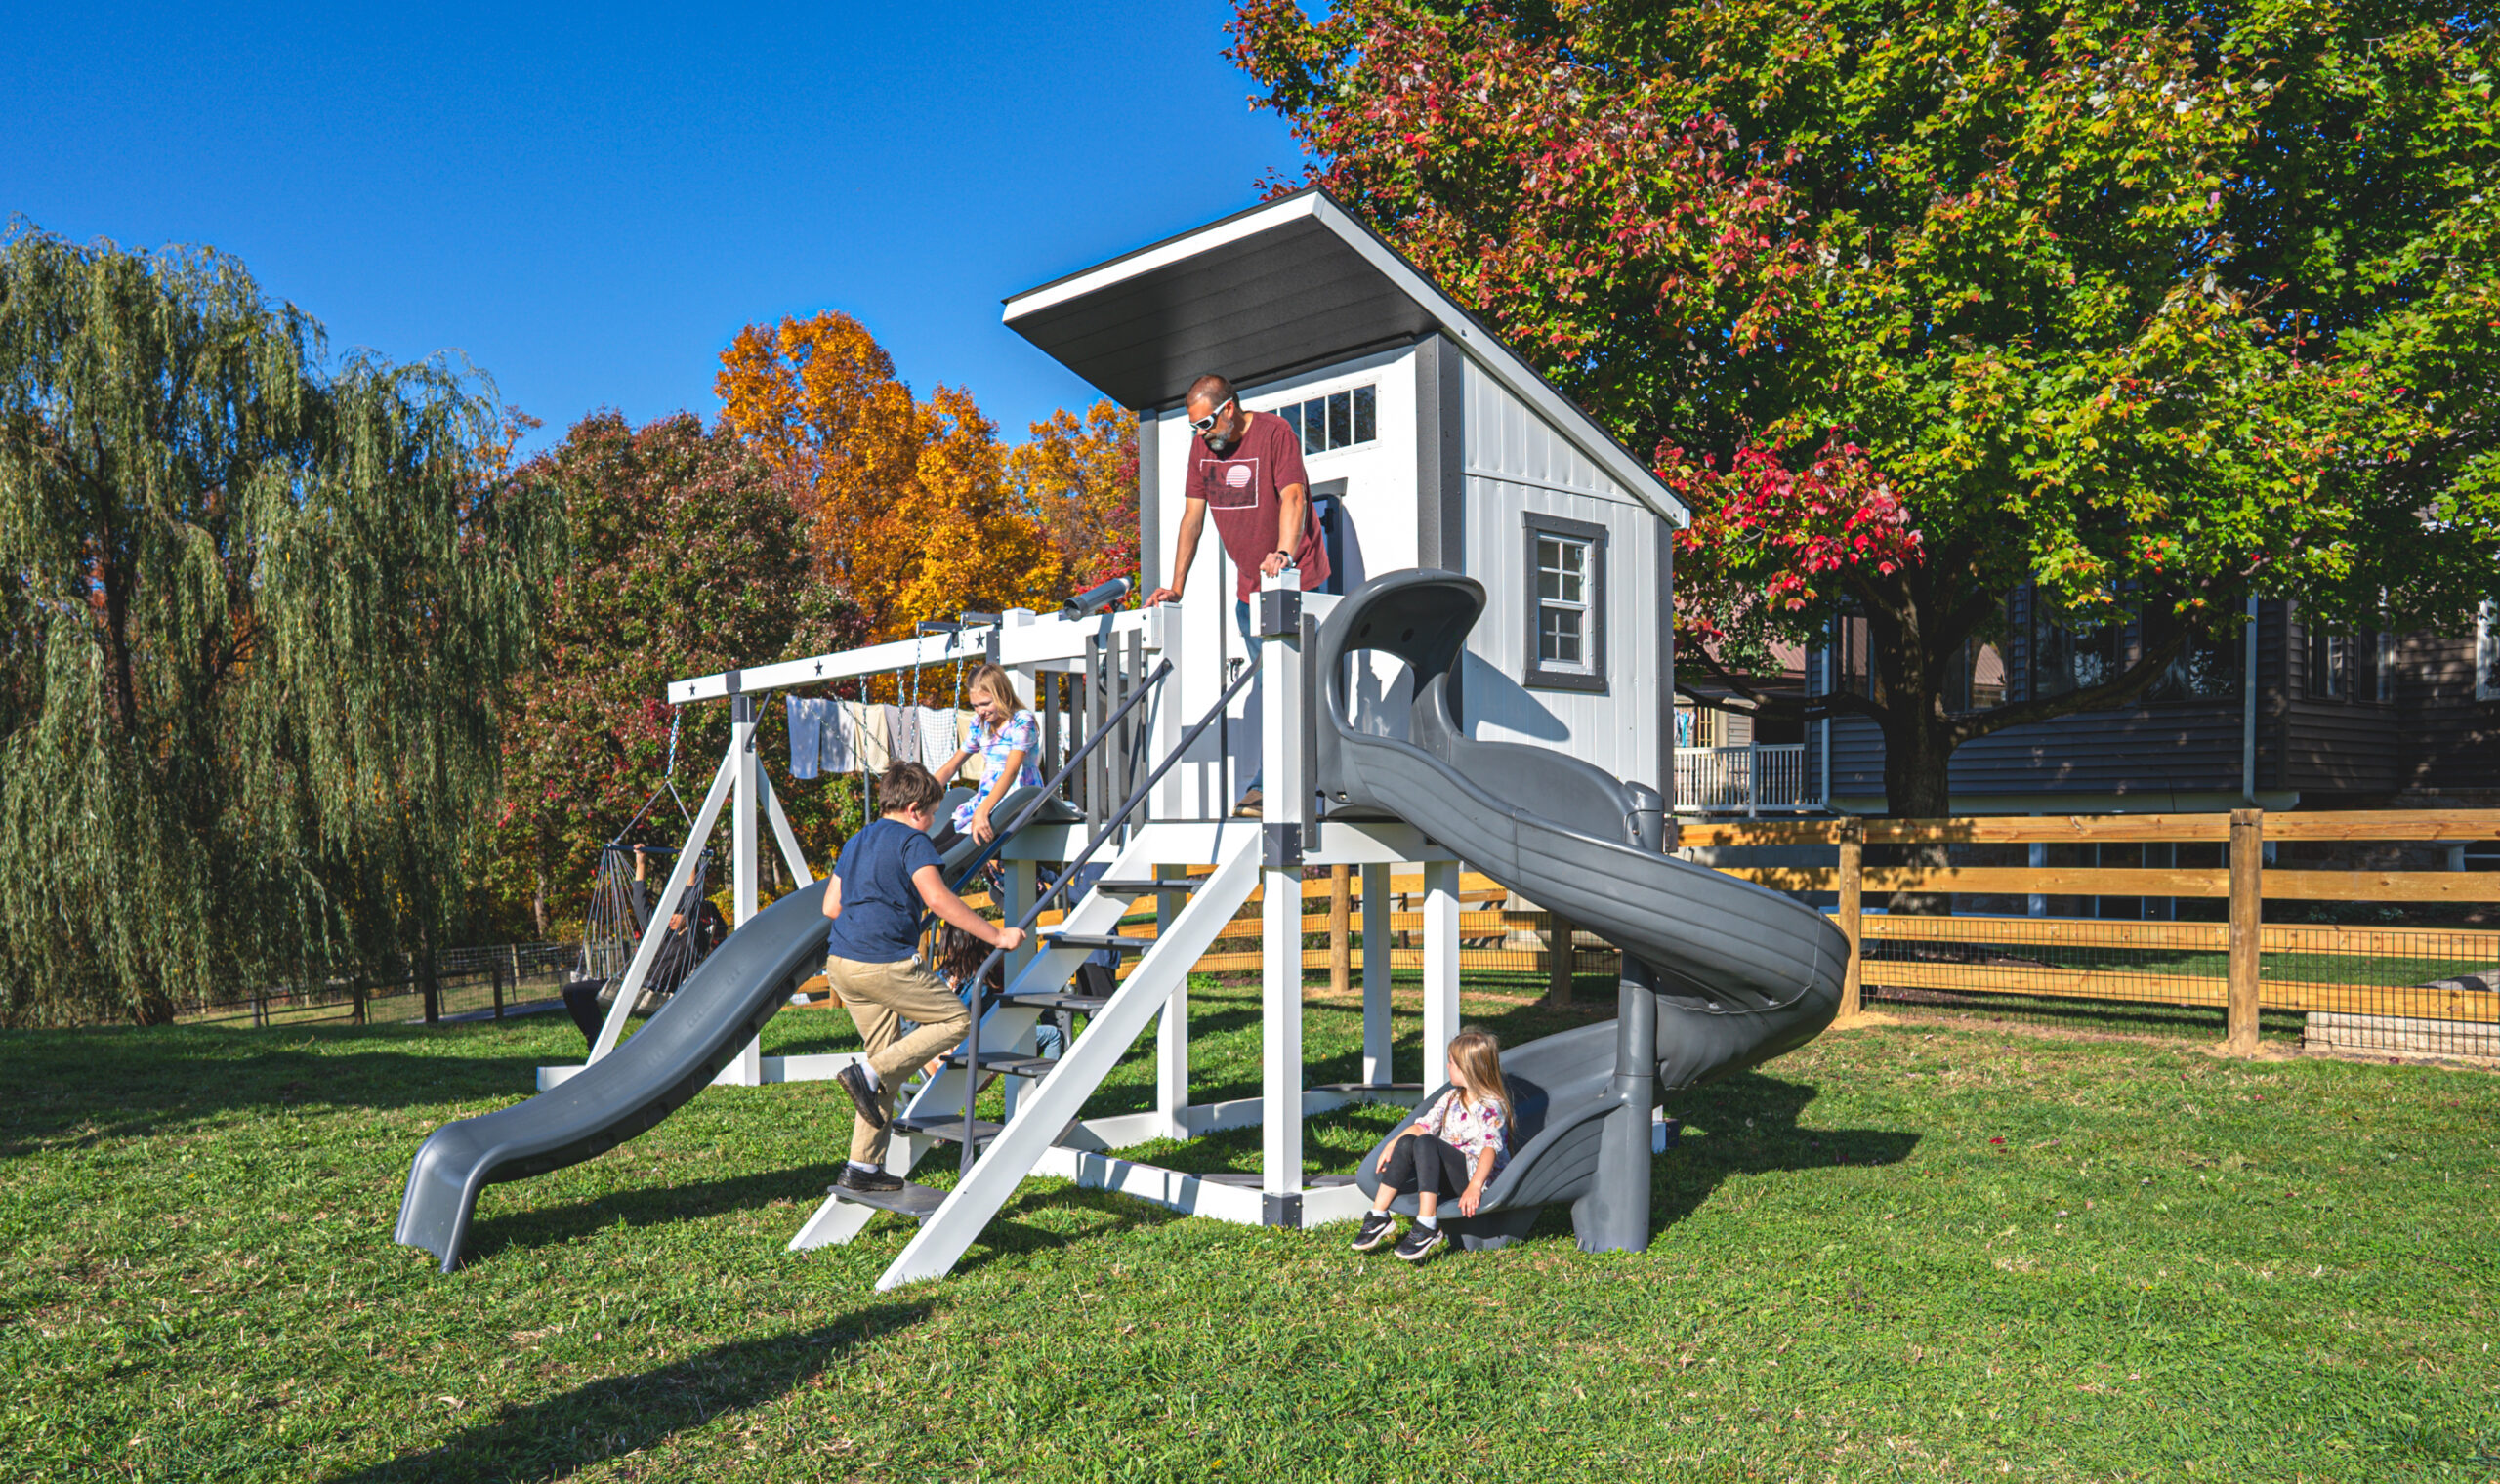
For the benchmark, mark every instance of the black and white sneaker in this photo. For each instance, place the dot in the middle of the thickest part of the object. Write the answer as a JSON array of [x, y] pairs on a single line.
[[1376, 1227], [1422, 1242], [870, 1181], [863, 1095]]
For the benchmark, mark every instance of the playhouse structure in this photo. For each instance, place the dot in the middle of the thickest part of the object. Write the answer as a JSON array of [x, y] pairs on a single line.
[[1489, 683]]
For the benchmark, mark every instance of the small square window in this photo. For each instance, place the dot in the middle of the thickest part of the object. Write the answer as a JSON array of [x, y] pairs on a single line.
[[1567, 603], [1337, 420], [1559, 641]]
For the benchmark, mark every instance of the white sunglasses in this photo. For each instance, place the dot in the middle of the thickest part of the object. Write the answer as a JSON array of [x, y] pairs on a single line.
[[1202, 425]]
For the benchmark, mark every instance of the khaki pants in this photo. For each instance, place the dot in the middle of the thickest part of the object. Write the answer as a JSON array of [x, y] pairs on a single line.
[[878, 995]]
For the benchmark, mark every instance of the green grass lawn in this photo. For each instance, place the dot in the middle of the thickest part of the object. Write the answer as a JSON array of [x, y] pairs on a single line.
[[1907, 1252]]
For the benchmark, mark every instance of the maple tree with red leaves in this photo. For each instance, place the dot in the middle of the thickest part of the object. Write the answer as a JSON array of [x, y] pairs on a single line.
[[687, 558], [2140, 311]]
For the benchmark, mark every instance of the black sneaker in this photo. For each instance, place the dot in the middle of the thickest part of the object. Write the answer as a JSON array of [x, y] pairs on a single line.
[[871, 1182], [1422, 1242], [1376, 1227], [862, 1097]]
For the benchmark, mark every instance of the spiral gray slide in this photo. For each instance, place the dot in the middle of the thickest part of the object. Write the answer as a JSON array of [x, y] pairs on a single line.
[[1719, 975], [675, 1056]]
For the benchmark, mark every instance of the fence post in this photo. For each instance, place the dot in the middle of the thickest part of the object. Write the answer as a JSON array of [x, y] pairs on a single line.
[[496, 968], [1853, 881], [1563, 951], [356, 996], [1341, 943], [2247, 925]]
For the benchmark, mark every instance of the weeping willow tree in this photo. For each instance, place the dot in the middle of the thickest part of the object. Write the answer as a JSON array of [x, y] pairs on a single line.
[[255, 609]]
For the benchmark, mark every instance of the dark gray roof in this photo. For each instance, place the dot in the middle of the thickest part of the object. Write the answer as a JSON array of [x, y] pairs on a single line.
[[1289, 285]]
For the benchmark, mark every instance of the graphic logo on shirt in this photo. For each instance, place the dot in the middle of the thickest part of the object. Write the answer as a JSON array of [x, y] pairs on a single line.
[[1229, 484]]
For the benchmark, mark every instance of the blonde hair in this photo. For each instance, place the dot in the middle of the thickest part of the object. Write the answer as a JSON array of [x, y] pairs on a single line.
[[1001, 685], [1479, 1055]]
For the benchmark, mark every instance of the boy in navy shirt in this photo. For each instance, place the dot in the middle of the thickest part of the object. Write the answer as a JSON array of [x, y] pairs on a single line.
[[887, 875]]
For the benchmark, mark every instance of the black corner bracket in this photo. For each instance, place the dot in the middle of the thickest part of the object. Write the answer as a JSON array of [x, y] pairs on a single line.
[[1281, 847]]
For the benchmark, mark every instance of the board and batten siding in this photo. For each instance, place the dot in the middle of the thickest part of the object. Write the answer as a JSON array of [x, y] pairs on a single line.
[[1516, 465]]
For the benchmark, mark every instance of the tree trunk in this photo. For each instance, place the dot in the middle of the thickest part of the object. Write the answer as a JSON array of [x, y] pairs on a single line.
[[1918, 759]]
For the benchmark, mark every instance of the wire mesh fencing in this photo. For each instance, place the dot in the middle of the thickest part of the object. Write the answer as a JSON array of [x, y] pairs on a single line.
[[481, 981]]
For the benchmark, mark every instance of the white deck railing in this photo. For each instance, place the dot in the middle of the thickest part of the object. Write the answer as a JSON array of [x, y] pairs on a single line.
[[1744, 780]]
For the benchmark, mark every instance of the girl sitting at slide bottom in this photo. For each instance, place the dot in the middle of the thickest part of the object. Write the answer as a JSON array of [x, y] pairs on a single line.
[[1453, 1149]]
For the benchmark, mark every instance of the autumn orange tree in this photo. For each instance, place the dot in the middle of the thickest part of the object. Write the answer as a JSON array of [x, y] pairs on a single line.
[[912, 509], [1078, 478]]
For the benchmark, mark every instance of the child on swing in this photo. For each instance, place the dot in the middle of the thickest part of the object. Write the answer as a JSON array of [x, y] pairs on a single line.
[[1453, 1149], [1009, 740]]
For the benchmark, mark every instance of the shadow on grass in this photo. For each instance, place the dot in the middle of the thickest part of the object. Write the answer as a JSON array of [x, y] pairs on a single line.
[[1748, 1125], [589, 1424], [652, 1205], [71, 1089]]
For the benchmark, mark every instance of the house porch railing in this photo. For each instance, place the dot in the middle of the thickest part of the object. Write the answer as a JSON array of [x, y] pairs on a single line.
[[1745, 781]]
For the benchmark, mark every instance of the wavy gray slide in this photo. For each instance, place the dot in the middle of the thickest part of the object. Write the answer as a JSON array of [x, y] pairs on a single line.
[[1720, 974], [675, 1056]]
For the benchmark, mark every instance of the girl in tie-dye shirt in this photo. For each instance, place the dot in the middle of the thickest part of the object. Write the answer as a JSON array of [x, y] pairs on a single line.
[[1009, 740]]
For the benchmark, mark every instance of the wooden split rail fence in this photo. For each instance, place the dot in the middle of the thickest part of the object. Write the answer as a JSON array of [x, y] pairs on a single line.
[[2337, 974], [2364, 987]]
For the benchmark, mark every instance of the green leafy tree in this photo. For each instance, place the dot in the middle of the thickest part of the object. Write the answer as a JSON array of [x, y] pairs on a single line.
[[688, 557], [256, 612], [2151, 307]]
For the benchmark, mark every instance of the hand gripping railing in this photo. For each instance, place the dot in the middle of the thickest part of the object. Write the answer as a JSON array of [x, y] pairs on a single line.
[[1070, 873]]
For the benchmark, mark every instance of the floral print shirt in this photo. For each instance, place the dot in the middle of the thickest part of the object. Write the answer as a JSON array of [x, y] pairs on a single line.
[[1471, 1128], [1021, 733]]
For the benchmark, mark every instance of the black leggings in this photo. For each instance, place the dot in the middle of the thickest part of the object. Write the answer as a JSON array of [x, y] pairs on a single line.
[[1422, 1162]]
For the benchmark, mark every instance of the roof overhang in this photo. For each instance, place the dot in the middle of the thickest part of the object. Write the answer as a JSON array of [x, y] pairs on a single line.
[[1290, 285]]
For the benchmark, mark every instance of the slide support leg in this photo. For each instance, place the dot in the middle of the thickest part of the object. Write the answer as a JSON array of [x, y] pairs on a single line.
[[1615, 1215]]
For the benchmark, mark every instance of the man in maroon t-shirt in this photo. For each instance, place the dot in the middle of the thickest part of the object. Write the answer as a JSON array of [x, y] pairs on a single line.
[[1247, 468]]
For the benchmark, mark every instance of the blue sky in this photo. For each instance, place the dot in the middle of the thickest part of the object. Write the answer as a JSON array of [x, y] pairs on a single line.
[[589, 204]]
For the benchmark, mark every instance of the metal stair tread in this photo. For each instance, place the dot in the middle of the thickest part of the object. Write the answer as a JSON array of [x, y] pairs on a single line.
[[1059, 999], [1367, 1086], [948, 1127], [1097, 942], [918, 1202], [1147, 887], [1008, 1063]]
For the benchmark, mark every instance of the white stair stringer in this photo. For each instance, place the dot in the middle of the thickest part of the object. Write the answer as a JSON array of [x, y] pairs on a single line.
[[1043, 1112]]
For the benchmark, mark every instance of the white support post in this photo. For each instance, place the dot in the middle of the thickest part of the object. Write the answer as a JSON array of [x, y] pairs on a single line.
[[747, 1070], [1285, 824], [655, 931], [1172, 1033], [788, 838], [1440, 966], [1377, 1025]]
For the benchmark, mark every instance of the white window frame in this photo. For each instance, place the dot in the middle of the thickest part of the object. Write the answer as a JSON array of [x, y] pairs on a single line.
[[1589, 676], [1307, 396]]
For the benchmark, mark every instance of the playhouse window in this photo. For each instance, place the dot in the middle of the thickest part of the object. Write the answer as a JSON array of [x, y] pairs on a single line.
[[1339, 420], [1567, 608]]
